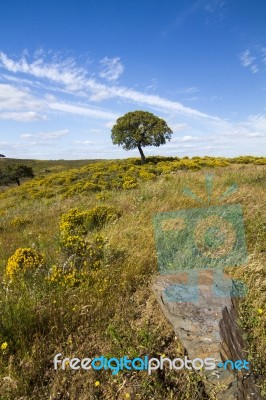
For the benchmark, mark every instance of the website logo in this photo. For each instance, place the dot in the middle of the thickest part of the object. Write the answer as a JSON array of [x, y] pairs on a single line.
[[210, 237]]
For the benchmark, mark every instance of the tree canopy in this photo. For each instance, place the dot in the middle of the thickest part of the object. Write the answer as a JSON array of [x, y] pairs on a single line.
[[13, 173], [139, 129]]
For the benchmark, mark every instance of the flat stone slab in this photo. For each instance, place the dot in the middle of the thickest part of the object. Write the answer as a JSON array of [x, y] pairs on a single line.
[[206, 326]]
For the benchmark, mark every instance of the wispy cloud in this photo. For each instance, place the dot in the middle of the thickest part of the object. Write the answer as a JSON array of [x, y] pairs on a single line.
[[17, 104], [22, 116], [216, 9], [53, 135], [215, 6], [263, 54], [112, 68], [190, 90], [46, 88], [81, 110], [247, 60], [178, 127], [62, 71], [75, 79], [14, 98]]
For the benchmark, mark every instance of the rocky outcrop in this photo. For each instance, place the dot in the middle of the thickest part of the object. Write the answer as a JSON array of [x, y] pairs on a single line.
[[206, 326]]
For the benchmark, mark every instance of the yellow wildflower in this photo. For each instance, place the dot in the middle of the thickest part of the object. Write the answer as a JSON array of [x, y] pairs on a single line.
[[4, 346]]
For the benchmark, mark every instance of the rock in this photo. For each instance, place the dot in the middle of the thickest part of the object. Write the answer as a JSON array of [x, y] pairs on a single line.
[[206, 326]]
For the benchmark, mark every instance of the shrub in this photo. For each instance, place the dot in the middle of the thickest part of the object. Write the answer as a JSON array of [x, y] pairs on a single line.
[[100, 215], [147, 176], [104, 195], [186, 164], [67, 278], [130, 183], [24, 260], [74, 228], [19, 222], [73, 223], [78, 222], [260, 161]]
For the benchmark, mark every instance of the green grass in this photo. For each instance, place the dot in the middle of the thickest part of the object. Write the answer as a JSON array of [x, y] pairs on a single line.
[[112, 310]]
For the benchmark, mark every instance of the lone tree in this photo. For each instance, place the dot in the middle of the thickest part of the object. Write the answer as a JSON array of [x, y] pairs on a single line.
[[139, 129], [13, 173]]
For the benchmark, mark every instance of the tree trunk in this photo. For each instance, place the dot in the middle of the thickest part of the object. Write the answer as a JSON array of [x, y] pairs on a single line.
[[143, 159], [18, 182]]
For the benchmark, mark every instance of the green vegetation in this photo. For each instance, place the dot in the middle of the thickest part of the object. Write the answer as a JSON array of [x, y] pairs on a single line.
[[77, 256], [13, 173], [137, 129]]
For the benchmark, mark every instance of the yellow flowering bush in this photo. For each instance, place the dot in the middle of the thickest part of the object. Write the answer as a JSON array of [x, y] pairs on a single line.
[[83, 256], [67, 278], [73, 223], [87, 252], [24, 260], [104, 195], [118, 174], [243, 160], [78, 222], [186, 165], [146, 175], [129, 183], [19, 222], [260, 161], [99, 215], [212, 162], [75, 245]]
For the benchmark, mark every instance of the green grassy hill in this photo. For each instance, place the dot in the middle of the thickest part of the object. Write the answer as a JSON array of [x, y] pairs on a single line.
[[77, 256]]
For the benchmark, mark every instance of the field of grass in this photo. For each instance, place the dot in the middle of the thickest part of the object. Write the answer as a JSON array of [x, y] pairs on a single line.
[[83, 286]]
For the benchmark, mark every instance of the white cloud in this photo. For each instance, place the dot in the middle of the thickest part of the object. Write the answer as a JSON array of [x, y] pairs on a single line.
[[157, 101], [214, 5], [13, 98], [263, 54], [65, 72], [75, 79], [254, 69], [112, 68], [189, 138], [193, 129], [247, 60], [46, 135], [81, 110], [176, 127], [253, 128], [255, 135], [258, 122], [92, 143], [109, 124], [25, 116], [190, 90], [17, 104], [153, 84]]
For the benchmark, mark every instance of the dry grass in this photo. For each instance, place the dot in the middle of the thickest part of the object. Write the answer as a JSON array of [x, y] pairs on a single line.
[[113, 312]]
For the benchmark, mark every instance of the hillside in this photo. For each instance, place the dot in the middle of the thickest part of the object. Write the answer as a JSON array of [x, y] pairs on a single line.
[[82, 286]]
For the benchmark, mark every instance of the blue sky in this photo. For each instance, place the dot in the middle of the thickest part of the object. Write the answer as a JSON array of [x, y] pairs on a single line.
[[69, 69]]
